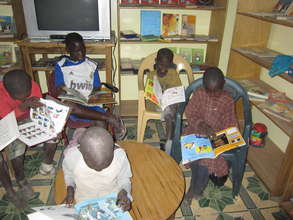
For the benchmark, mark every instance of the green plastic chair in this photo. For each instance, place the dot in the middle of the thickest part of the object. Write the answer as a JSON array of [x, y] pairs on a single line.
[[236, 157]]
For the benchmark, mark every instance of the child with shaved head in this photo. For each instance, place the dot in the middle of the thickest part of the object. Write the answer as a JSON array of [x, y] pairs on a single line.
[[96, 167]]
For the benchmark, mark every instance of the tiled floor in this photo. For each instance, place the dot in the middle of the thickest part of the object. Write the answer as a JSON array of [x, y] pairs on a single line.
[[254, 202]]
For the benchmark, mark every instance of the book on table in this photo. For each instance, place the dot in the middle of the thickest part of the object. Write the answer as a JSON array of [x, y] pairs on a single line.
[[44, 123], [76, 97], [195, 147], [99, 208], [154, 93]]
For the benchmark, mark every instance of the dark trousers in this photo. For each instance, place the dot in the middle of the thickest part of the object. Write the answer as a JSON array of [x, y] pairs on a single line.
[[199, 178]]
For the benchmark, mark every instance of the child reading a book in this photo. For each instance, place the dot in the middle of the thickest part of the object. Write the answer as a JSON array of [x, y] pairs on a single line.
[[96, 167], [209, 110], [19, 93], [168, 77], [79, 73]]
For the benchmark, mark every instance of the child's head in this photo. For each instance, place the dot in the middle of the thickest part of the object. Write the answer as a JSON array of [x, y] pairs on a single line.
[[75, 46], [164, 61], [213, 79], [18, 84], [97, 148]]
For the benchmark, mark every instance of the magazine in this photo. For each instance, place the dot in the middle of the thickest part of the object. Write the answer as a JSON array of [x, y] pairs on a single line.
[[194, 147], [45, 123], [76, 97], [170, 24], [154, 93], [102, 208], [150, 23]]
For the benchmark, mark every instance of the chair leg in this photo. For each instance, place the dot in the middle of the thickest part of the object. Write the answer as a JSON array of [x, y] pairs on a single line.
[[139, 124], [140, 135]]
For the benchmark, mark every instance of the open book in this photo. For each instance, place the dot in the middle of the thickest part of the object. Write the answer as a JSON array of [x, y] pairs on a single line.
[[154, 92], [45, 123], [102, 208], [60, 212], [76, 97], [196, 147]]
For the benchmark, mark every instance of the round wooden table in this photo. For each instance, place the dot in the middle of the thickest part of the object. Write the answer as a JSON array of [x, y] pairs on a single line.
[[157, 184]]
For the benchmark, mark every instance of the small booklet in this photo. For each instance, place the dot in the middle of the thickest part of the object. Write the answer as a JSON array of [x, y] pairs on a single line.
[[102, 208], [45, 123], [194, 147], [76, 97], [154, 93]]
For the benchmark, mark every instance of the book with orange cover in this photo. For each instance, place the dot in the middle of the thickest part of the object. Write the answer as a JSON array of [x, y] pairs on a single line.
[[188, 25], [170, 24]]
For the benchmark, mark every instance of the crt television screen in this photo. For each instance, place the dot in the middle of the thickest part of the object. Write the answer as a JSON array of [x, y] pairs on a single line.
[[67, 15]]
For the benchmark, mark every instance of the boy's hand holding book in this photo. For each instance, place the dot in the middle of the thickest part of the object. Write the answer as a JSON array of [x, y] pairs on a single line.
[[31, 102], [123, 201]]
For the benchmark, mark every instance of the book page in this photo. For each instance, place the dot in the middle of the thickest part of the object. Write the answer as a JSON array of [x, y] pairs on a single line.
[[8, 130], [157, 89], [172, 96], [73, 95], [60, 212]]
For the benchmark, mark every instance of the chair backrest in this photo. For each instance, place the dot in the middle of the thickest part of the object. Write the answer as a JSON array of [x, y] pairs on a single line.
[[236, 91]]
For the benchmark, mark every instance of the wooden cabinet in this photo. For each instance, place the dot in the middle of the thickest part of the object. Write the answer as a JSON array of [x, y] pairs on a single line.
[[271, 164], [210, 21]]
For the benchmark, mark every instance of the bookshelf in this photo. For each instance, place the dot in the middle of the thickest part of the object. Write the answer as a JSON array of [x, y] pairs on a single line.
[[272, 163], [210, 21]]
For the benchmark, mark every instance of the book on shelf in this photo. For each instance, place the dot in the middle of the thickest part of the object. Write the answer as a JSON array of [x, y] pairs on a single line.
[[186, 53], [76, 97], [198, 56], [6, 25], [104, 207], [170, 24], [129, 34], [169, 2], [150, 23], [278, 97], [154, 93], [45, 123], [194, 147], [6, 54], [279, 110], [254, 89], [188, 25], [129, 2], [149, 2]]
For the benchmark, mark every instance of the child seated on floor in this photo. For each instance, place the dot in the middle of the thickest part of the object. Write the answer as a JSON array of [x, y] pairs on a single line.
[[94, 166], [168, 77]]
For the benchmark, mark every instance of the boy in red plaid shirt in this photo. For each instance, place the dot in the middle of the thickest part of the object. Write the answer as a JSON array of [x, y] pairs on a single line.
[[210, 109]]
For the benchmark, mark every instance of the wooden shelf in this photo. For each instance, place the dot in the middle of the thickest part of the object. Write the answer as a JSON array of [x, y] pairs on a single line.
[[167, 42], [175, 7], [266, 162], [265, 62], [268, 19]]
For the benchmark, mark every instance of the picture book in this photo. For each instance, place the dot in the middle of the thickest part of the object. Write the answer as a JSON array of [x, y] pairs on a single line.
[[169, 2], [127, 2], [46, 122], [253, 89], [170, 24], [149, 93], [150, 22], [6, 24], [187, 2], [60, 212], [279, 110], [76, 97], [5, 54], [149, 2], [102, 208], [188, 25], [8, 130], [198, 56], [194, 147]]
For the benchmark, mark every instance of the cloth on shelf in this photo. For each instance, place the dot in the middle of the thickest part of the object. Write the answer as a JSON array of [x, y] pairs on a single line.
[[281, 64]]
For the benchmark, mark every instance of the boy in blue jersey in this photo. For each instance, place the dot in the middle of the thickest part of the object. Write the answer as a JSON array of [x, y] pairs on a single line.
[[80, 73]]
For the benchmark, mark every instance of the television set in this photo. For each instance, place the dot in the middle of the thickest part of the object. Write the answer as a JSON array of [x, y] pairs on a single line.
[[47, 19]]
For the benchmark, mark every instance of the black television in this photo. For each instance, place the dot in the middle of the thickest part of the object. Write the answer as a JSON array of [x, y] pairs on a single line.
[[55, 18]]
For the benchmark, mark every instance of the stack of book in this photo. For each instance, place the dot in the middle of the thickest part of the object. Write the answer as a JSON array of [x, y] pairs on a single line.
[[254, 90]]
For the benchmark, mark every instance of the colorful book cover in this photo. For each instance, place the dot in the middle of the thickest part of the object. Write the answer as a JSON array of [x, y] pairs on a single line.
[[253, 89], [186, 53], [188, 25], [6, 24], [102, 208], [127, 2], [194, 147], [279, 110], [5, 54], [150, 22], [149, 92], [198, 56], [169, 2], [170, 24], [149, 2]]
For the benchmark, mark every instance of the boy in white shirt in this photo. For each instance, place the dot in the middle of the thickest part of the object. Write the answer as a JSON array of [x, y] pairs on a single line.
[[96, 167]]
